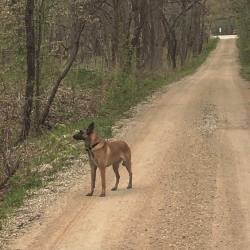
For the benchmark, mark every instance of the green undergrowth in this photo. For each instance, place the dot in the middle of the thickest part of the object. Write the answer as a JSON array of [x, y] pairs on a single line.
[[245, 70], [244, 58], [58, 149], [84, 78]]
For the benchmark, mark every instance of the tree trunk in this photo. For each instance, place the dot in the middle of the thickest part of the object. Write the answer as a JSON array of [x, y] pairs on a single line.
[[184, 34], [173, 51], [197, 29], [29, 89], [38, 67], [152, 36], [202, 33], [115, 33]]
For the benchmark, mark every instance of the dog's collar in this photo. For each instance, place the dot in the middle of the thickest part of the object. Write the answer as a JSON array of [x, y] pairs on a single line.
[[92, 146]]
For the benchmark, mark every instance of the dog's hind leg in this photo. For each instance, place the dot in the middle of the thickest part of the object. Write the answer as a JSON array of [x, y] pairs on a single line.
[[127, 164], [117, 175]]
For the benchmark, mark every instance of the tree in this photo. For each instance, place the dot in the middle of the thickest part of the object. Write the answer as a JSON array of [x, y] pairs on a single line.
[[242, 12], [29, 89], [39, 38]]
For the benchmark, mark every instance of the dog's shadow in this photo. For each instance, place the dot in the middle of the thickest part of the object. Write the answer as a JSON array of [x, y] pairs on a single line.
[[122, 192]]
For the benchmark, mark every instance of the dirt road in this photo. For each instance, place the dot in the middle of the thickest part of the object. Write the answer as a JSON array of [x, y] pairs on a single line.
[[191, 165]]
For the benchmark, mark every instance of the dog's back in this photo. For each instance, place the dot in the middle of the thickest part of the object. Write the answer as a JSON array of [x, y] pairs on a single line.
[[121, 150]]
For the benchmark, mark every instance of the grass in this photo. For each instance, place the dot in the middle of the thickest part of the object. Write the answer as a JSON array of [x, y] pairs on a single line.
[[18, 192], [245, 70], [244, 59], [58, 149]]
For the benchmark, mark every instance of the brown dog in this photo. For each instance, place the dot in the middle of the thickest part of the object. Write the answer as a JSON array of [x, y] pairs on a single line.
[[102, 154]]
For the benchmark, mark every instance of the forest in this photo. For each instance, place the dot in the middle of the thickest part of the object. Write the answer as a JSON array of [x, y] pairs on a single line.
[[64, 63], [242, 13]]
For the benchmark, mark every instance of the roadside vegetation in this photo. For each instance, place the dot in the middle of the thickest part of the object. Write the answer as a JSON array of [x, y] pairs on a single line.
[[242, 11], [66, 63]]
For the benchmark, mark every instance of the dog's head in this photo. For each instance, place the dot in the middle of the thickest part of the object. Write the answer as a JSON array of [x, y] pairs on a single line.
[[87, 135]]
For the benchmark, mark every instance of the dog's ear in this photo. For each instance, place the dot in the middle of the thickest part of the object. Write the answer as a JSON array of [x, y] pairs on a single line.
[[91, 128]]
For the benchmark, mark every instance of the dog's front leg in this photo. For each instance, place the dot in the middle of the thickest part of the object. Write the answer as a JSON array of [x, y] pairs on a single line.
[[93, 178], [103, 179]]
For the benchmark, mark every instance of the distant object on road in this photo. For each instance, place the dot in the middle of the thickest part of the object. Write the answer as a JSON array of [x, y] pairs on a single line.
[[223, 37]]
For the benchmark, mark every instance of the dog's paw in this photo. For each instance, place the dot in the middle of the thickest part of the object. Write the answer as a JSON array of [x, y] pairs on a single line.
[[114, 189], [129, 187], [102, 195], [89, 194]]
